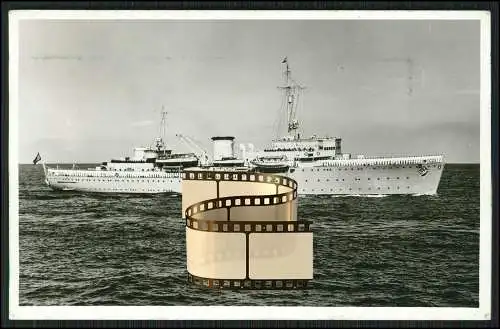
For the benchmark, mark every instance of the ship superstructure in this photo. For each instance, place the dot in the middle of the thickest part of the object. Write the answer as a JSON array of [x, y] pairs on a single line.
[[152, 169], [320, 166]]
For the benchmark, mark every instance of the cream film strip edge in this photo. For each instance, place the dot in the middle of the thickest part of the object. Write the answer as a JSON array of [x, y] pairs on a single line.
[[256, 245]]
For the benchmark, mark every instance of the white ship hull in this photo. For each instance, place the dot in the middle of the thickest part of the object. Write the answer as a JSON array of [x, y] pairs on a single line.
[[111, 181], [319, 165], [385, 176], [412, 175], [152, 169]]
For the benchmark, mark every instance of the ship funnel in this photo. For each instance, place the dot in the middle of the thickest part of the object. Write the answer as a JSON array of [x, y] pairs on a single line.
[[223, 147], [338, 147], [243, 151]]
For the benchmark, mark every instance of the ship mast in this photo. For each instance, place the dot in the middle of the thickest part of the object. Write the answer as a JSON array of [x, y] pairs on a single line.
[[292, 90], [160, 142]]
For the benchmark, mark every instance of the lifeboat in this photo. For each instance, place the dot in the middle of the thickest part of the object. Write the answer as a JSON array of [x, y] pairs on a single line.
[[271, 164]]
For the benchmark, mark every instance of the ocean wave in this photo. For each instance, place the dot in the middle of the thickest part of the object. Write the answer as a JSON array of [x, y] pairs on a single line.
[[369, 250]]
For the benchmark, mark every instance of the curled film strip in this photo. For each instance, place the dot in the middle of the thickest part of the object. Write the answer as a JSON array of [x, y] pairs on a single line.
[[242, 231]]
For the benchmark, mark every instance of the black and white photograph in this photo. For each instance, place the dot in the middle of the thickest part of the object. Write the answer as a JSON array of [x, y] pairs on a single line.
[[298, 165]]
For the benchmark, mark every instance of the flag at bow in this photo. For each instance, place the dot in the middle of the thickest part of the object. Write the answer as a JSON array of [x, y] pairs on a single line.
[[284, 60], [37, 158]]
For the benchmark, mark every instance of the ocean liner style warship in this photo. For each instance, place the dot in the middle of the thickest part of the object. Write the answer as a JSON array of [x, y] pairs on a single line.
[[319, 165], [153, 169]]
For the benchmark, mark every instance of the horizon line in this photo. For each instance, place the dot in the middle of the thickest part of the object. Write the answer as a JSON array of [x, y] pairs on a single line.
[[98, 162]]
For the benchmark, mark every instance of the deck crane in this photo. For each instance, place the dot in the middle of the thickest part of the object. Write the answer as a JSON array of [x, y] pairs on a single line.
[[195, 148]]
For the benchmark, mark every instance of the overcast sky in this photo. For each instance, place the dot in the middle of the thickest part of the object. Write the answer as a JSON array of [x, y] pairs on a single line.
[[92, 90]]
